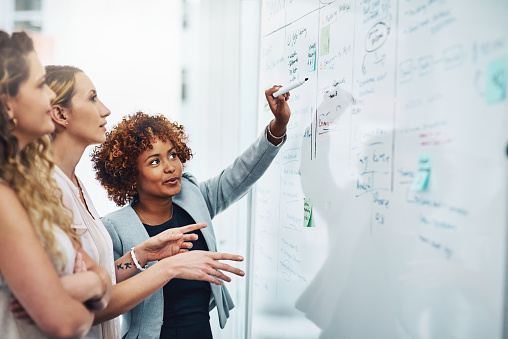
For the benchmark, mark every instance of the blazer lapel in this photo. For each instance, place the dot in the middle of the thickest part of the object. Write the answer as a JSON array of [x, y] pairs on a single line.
[[197, 209]]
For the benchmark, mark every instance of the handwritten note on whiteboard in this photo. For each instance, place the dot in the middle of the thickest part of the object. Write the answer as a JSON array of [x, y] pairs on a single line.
[[396, 156]]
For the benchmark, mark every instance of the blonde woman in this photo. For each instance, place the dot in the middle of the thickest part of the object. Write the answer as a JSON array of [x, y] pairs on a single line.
[[80, 119]]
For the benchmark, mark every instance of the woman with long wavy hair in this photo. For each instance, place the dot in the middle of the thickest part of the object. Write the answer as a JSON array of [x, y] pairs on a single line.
[[42, 265]]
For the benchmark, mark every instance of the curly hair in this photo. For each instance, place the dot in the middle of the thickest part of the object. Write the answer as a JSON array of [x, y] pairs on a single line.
[[115, 161], [28, 171]]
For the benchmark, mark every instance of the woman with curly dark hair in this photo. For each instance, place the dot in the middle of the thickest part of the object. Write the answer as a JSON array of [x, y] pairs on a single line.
[[80, 119], [141, 165]]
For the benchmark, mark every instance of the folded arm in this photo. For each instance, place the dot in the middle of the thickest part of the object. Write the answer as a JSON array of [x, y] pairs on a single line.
[[90, 285], [31, 276]]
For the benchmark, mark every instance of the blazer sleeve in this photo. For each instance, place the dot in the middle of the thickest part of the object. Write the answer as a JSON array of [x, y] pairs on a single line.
[[234, 181], [117, 242]]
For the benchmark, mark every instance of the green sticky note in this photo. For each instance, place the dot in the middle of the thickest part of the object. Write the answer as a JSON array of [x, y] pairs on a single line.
[[421, 180], [307, 212], [324, 46], [496, 81]]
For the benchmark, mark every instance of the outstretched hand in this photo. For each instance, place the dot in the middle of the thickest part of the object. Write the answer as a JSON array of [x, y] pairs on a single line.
[[204, 265], [168, 243]]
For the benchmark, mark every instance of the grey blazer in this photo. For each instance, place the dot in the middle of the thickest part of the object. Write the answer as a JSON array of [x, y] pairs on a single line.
[[203, 201]]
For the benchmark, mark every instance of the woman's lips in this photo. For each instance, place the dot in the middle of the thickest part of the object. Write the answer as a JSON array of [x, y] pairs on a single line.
[[172, 181]]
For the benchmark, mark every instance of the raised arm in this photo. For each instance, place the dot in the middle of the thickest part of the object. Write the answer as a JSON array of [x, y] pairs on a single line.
[[31, 276], [234, 181]]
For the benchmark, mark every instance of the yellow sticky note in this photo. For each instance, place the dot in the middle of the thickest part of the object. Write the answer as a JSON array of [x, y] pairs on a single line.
[[324, 46]]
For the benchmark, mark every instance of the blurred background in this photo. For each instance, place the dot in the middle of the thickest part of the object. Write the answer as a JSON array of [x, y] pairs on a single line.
[[195, 61]]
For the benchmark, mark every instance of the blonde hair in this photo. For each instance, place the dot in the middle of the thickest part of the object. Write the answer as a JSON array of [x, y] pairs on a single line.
[[31, 177], [29, 171], [62, 81]]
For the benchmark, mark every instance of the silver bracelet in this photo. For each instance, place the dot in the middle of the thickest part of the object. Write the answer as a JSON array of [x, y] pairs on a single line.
[[136, 263], [273, 136]]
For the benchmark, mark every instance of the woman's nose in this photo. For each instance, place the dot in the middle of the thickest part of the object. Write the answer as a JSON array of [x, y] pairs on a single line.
[[169, 168], [105, 112]]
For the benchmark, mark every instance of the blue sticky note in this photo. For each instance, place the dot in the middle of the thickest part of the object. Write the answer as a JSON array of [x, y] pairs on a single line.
[[421, 180], [422, 176], [496, 81], [424, 162], [311, 61], [307, 212]]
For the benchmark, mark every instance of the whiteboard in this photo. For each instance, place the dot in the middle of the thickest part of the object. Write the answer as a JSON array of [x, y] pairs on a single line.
[[398, 141]]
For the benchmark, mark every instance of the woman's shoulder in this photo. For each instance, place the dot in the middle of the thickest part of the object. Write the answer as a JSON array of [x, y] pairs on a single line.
[[9, 202], [124, 224], [190, 179], [8, 195], [119, 215]]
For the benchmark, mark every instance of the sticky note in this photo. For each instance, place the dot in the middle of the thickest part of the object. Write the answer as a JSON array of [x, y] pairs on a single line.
[[422, 176], [496, 81], [311, 60], [421, 180], [307, 212], [324, 46]]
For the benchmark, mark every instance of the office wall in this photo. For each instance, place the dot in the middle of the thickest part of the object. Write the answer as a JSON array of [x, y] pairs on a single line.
[[221, 47]]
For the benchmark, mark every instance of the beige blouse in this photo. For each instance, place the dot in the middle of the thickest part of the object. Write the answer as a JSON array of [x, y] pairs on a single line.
[[95, 240]]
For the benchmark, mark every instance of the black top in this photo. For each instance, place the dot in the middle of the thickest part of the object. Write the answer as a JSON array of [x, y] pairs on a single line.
[[186, 302]]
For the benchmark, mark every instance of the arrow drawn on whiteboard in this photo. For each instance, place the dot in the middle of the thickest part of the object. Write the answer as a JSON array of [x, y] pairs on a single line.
[[291, 227]]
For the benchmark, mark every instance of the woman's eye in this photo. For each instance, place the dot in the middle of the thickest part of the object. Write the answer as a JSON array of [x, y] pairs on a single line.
[[154, 162], [172, 155], [94, 98]]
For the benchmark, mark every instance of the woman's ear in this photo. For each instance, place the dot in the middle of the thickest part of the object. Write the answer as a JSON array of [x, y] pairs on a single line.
[[8, 108], [59, 115]]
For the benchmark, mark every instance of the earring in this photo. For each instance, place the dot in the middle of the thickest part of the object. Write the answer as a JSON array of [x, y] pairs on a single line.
[[13, 122], [66, 123]]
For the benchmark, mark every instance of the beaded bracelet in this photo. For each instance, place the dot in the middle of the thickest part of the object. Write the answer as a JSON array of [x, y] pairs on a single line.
[[136, 263], [273, 136]]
